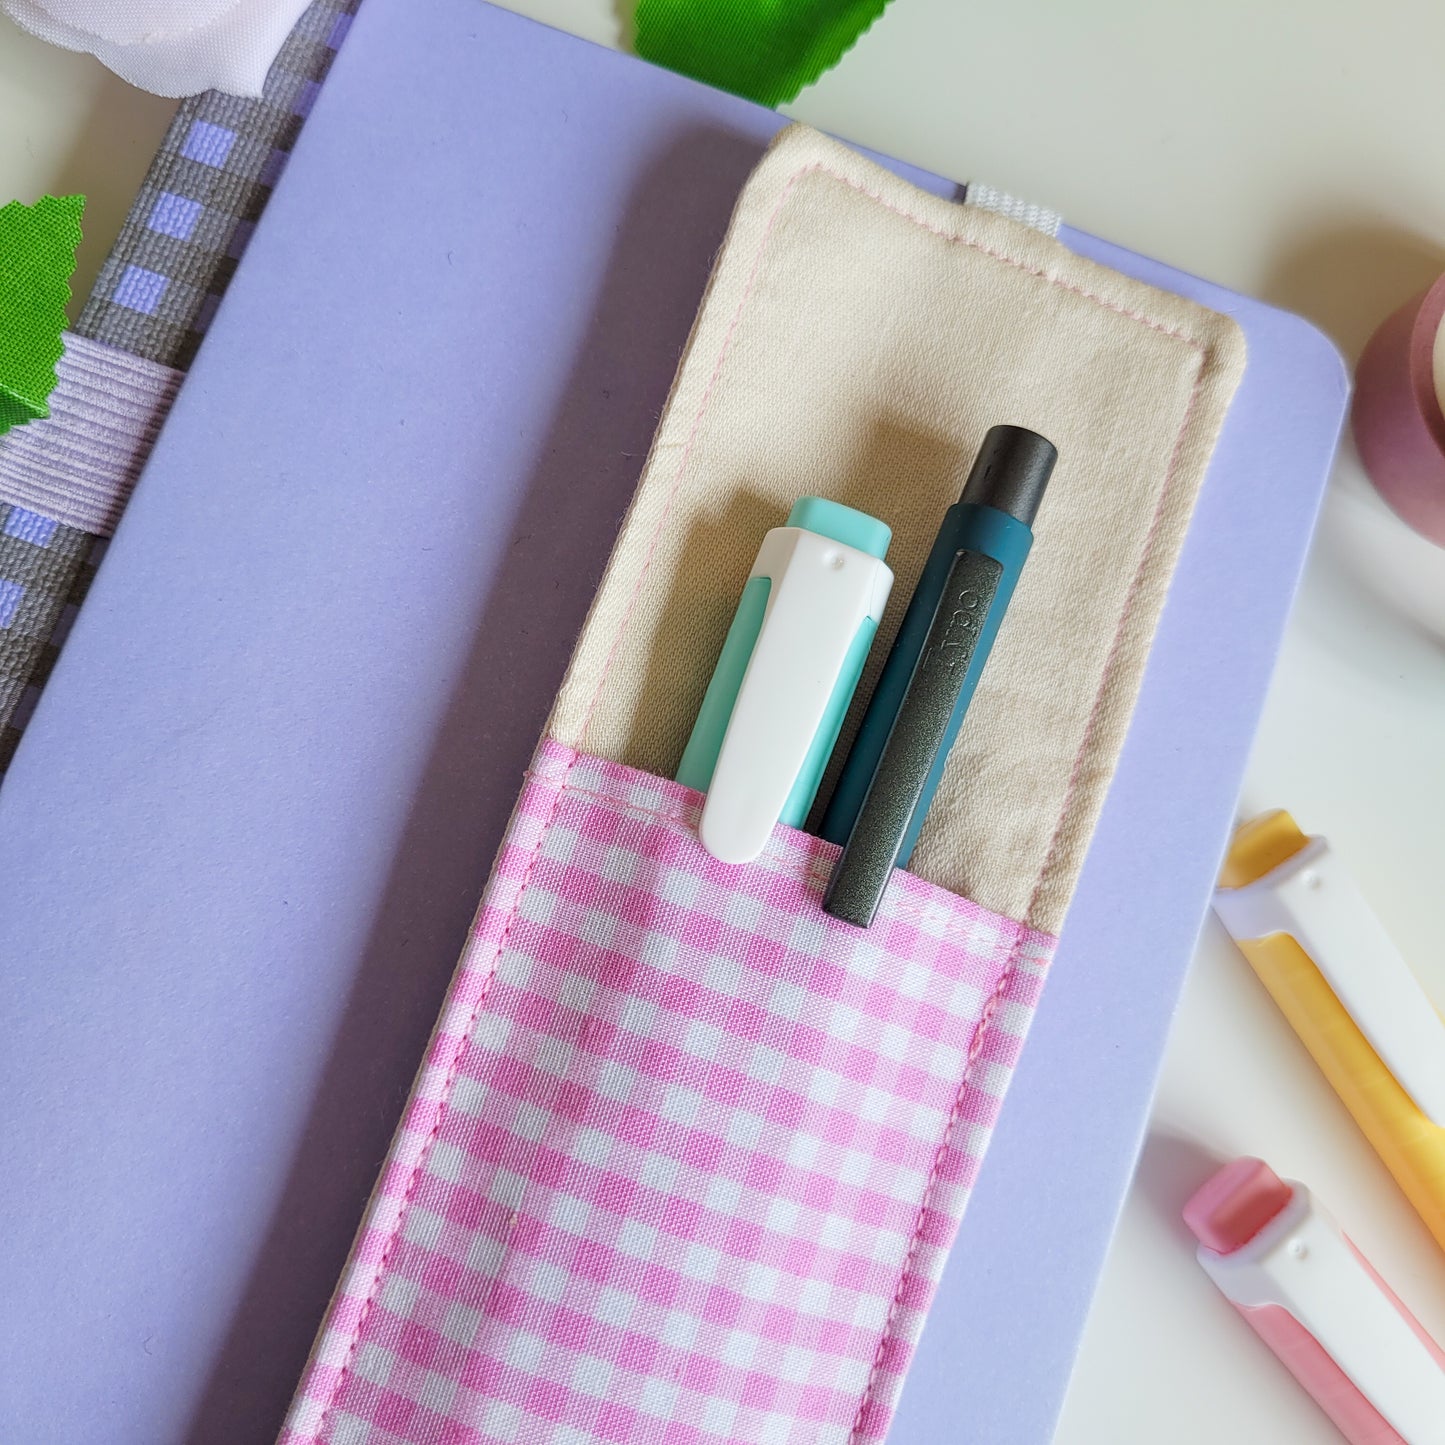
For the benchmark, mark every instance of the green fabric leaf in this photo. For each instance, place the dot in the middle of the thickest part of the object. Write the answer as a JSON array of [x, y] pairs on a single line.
[[766, 50], [37, 258]]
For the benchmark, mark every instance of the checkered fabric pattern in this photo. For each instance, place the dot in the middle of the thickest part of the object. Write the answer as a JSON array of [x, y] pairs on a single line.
[[206, 190], [45, 569], [155, 296], [686, 1155]]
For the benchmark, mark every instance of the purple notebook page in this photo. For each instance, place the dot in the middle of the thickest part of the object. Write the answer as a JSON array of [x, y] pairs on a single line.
[[248, 825]]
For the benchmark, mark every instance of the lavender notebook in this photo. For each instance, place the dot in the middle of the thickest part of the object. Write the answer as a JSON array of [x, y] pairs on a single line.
[[250, 820]]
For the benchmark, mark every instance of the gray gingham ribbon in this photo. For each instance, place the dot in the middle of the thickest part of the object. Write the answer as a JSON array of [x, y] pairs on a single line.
[[64, 481]]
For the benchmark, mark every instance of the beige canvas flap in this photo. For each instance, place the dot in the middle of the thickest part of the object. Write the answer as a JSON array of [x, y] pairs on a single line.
[[857, 339]]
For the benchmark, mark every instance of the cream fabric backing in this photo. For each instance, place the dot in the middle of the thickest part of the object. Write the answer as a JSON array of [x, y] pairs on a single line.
[[857, 339]]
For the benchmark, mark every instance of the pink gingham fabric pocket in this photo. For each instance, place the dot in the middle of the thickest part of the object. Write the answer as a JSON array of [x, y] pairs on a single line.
[[686, 1154]]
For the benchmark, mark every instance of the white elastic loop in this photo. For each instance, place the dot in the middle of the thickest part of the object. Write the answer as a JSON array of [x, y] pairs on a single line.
[[990, 198]]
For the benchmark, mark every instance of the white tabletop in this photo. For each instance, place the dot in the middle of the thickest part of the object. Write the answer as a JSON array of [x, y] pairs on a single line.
[[1295, 151]]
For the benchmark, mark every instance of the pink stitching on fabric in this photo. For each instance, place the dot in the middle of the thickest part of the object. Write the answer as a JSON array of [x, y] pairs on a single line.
[[953, 238], [1016, 953], [814, 870], [443, 1103], [662, 815], [1011, 965], [702, 407], [975, 1048], [1023, 929], [956, 239]]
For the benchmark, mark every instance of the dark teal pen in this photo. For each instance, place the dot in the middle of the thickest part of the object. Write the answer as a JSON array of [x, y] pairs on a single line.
[[932, 672]]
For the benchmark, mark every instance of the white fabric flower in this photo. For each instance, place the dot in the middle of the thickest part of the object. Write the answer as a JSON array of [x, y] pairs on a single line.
[[170, 47]]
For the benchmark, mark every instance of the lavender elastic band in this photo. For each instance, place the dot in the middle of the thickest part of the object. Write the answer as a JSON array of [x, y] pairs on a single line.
[[80, 463]]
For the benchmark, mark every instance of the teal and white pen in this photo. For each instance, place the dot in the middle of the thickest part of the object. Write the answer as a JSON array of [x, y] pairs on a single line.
[[788, 670]]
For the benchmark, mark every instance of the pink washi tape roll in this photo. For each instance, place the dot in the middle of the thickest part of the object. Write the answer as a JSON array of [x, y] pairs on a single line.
[[1398, 417]]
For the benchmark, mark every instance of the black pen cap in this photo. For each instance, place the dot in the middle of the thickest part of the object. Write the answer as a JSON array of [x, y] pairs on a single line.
[[1011, 471]]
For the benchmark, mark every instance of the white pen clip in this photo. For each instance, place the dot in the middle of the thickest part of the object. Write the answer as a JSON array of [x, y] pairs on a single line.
[[1311, 897], [801, 672]]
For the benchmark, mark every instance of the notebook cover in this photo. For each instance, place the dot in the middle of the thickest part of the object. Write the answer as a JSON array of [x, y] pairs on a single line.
[[250, 820]]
